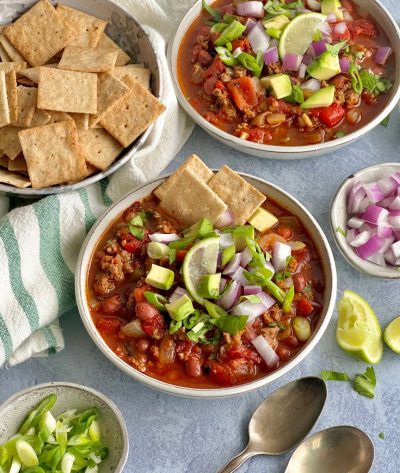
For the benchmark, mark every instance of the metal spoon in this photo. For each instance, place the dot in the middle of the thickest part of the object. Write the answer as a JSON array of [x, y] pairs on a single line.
[[338, 449], [283, 420]]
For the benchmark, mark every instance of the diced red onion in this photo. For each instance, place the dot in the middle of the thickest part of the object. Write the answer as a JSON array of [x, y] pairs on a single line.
[[351, 234], [350, 198], [303, 10], [239, 276], [266, 351], [340, 28], [310, 51], [377, 258], [387, 185], [388, 242], [396, 231], [291, 62], [307, 59], [225, 219], [271, 55], [384, 231], [267, 300], [250, 290], [258, 38], [395, 204], [246, 257], [233, 265], [319, 46], [280, 253], [222, 284], [386, 202], [314, 5], [177, 294], [225, 240], [373, 192], [302, 71], [390, 258], [163, 237], [396, 249], [375, 214], [250, 24], [344, 64], [331, 18], [230, 297], [382, 54], [394, 220], [396, 177], [360, 239], [251, 8], [369, 227], [347, 16], [355, 222], [311, 84], [250, 309], [373, 245], [273, 42]]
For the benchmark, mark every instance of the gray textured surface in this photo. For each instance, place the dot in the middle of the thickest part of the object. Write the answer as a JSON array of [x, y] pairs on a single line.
[[175, 435]]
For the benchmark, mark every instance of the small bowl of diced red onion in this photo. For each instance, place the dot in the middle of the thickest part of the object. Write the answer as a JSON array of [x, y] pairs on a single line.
[[365, 220]]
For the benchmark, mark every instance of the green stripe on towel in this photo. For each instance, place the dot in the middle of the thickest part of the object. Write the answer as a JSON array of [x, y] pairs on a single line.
[[5, 337], [51, 340], [89, 217]]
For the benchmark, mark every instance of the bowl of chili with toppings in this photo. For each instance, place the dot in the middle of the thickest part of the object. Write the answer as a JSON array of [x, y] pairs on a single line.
[[287, 80], [211, 306]]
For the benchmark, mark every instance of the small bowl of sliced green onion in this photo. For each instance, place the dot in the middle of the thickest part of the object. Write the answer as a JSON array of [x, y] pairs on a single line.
[[62, 427]]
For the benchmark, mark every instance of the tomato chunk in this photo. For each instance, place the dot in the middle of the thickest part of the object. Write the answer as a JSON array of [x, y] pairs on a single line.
[[330, 116], [138, 293], [108, 326], [362, 27], [304, 307], [130, 243], [243, 92]]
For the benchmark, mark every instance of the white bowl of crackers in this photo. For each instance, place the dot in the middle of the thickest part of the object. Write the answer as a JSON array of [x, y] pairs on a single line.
[[79, 91]]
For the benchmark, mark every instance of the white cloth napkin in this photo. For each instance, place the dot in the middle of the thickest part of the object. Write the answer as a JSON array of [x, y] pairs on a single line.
[[40, 242]]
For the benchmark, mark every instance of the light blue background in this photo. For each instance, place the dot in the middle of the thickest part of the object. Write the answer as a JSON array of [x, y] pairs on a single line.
[[175, 435]]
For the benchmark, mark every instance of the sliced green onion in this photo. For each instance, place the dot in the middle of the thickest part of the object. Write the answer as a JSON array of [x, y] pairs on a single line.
[[228, 254], [67, 462], [287, 303], [226, 56], [302, 328], [181, 244], [274, 33], [26, 453], [218, 27], [157, 250], [94, 431], [216, 14], [250, 63], [231, 32], [35, 416], [156, 300], [174, 326], [15, 465], [215, 310]]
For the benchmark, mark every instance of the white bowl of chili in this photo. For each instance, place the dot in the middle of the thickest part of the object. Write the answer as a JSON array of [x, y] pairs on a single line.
[[324, 277], [288, 139]]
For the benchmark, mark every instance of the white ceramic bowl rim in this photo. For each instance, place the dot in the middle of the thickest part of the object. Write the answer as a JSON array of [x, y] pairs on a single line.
[[345, 249], [80, 291], [323, 147]]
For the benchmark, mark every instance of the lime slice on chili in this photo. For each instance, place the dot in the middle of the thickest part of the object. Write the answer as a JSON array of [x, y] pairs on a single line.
[[358, 331], [391, 335], [199, 261], [299, 33]]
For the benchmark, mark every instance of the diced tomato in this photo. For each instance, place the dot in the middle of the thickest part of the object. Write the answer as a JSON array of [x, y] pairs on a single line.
[[180, 255], [221, 373], [234, 353], [304, 307], [130, 243], [108, 326], [285, 232], [362, 27], [151, 325], [330, 116], [220, 85], [243, 44], [243, 92], [138, 292], [216, 68]]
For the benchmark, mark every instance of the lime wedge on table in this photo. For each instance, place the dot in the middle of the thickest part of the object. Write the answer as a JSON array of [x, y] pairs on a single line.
[[299, 33], [358, 331], [199, 261], [391, 335]]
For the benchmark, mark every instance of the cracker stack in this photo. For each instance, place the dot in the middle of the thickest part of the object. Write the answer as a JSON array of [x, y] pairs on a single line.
[[69, 101]]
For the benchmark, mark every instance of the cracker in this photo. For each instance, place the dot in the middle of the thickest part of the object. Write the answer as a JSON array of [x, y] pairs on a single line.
[[88, 28], [81, 120], [9, 141], [76, 58], [3, 54], [67, 91], [12, 66], [40, 33], [131, 115], [193, 164], [89, 172], [18, 164], [190, 200], [14, 179], [109, 89], [107, 42], [12, 95], [53, 154], [4, 161], [133, 71], [33, 72], [27, 100], [100, 148], [10, 50], [40, 118], [240, 196], [56, 117], [4, 109]]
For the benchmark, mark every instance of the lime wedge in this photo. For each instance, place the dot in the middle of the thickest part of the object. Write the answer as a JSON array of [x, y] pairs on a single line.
[[199, 261], [358, 331], [299, 33], [391, 335]]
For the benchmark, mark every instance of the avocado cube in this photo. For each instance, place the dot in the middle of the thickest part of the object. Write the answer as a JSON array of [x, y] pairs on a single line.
[[322, 98], [199, 229], [279, 84], [209, 286], [332, 6], [180, 309], [278, 22], [325, 66], [263, 220], [160, 277]]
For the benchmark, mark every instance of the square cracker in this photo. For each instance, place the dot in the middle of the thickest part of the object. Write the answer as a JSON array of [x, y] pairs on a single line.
[[88, 28], [10, 50], [3, 161], [131, 115], [81, 120], [56, 117], [40, 33], [109, 89], [107, 42], [12, 66], [4, 57], [100, 148], [67, 91], [27, 100], [240, 196], [133, 71], [40, 118], [53, 154], [18, 164], [190, 200], [14, 179], [4, 109], [33, 72], [9, 141], [12, 95], [195, 165], [76, 58]]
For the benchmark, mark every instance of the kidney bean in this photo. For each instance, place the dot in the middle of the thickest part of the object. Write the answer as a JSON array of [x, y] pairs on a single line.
[[291, 341], [283, 352], [145, 311], [142, 345], [299, 282], [112, 304], [193, 367]]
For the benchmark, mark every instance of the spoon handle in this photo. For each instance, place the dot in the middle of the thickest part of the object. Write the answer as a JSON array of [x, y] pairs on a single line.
[[234, 464]]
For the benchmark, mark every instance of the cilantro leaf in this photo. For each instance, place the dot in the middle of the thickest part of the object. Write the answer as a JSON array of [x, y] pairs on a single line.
[[382, 435], [334, 49], [385, 121], [334, 376], [231, 323], [365, 383], [356, 81]]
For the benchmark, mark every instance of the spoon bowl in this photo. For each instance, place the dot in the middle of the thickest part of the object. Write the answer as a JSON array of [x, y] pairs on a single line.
[[283, 420], [351, 445]]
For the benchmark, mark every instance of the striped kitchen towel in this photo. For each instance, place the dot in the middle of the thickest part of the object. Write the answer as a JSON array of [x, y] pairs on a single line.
[[40, 242]]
